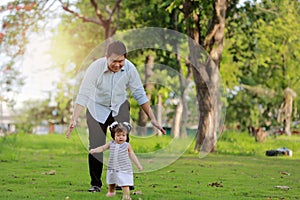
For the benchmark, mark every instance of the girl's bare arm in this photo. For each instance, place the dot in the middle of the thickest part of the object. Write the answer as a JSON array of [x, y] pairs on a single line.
[[100, 149], [134, 159]]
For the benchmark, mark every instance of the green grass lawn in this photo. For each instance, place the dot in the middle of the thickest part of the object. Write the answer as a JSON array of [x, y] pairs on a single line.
[[52, 167]]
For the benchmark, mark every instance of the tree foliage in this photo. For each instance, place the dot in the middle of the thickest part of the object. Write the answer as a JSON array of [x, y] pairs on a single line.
[[20, 19], [264, 46], [260, 58]]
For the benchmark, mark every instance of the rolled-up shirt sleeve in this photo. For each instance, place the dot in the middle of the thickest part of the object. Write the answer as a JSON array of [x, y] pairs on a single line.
[[87, 87], [136, 87]]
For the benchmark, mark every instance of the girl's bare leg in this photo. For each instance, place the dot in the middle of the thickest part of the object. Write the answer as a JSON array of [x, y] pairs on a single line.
[[126, 193], [111, 190]]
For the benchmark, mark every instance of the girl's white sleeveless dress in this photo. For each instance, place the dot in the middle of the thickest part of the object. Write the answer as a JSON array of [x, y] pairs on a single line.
[[119, 169]]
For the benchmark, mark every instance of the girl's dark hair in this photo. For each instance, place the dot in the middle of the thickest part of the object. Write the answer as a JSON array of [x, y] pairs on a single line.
[[116, 127], [116, 47]]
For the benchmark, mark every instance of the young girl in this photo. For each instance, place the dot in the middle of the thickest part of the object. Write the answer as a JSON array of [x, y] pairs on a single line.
[[119, 171]]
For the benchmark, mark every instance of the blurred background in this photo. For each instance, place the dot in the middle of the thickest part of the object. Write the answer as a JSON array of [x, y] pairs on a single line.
[[254, 45]]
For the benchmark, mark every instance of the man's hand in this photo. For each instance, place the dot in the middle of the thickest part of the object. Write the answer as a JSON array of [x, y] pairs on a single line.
[[71, 126], [77, 110], [161, 129], [147, 109]]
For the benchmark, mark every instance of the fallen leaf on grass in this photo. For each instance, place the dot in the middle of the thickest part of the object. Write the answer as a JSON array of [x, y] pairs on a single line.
[[171, 171], [51, 172], [282, 187], [284, 173], [215, 184]]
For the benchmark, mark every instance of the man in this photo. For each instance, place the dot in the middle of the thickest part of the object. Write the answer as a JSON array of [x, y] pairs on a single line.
[[103, 92]]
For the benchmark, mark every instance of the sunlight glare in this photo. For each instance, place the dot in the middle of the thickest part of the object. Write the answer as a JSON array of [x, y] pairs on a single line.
[[36, 68]]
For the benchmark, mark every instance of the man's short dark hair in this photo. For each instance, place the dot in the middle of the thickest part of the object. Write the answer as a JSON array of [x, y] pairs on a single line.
[[116, 47]]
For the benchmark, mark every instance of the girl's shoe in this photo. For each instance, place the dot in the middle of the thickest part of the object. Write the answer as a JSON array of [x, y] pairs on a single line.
[[110, 194]]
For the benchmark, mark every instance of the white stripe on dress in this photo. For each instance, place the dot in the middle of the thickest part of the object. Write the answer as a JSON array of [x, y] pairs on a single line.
[[119, 158]]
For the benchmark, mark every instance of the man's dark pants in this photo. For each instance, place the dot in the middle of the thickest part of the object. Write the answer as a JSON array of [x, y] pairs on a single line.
[[97, 136]]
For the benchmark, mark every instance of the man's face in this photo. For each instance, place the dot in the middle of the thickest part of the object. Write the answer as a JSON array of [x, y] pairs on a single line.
[[115, 62]]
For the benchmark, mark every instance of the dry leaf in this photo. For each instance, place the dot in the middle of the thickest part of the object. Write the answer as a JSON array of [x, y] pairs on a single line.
[[51, 172], [284, 173], [282, 187], [171, 171]]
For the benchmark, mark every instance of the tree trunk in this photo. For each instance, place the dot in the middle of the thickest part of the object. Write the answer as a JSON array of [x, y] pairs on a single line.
[[142, 123], [208, 107], [206, 71], [287, 120], [175, 131], [286, 110], [184, 90], [180, 118], [159, 111]]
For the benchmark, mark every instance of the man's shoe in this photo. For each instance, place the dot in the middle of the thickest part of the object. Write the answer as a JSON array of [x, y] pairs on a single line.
[[94, 189], [120, 188]]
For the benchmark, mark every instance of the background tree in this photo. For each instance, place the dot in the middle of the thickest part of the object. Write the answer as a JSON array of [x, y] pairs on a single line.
[[106, 19], [264, 46], [197, 15], [18, 25], [258, 64], [35, 113]]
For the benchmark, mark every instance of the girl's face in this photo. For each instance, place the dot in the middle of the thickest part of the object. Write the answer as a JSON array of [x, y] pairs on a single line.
[[120, 137]]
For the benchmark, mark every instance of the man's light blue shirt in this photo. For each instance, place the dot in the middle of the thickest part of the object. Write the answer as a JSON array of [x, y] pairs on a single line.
[[103, 91]]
